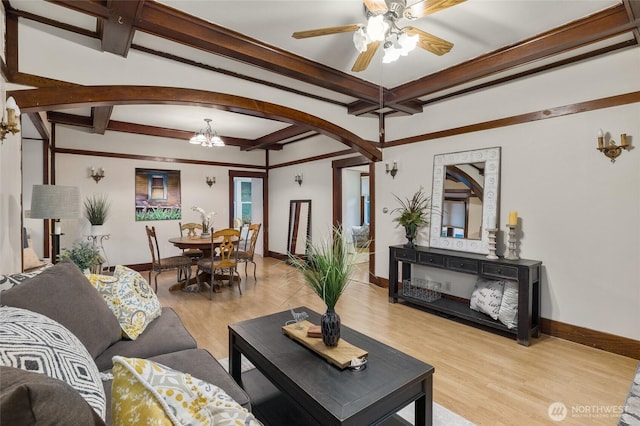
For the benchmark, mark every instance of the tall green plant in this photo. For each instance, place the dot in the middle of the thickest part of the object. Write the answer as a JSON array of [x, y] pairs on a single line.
[[97, 208], [327, 268], [413, 212]]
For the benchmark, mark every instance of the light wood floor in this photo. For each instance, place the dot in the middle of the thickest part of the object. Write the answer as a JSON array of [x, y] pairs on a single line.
[[487, 378]]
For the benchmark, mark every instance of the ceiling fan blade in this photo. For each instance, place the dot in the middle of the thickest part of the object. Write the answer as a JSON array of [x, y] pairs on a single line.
[[427, 7], [376, 6], [363, 60], [326, 31], [429, 42]]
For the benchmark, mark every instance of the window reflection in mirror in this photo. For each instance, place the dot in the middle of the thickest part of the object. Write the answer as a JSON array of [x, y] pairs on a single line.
[[299, 227]]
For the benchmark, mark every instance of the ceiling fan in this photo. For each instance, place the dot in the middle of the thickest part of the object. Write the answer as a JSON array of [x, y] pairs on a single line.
[[382, 28]]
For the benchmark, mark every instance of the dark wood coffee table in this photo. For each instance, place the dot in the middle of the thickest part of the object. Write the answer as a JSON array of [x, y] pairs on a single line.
[[319, 391]]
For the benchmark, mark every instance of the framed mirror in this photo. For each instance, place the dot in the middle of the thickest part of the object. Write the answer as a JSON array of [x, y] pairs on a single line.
[[299, 232], [466, 189]]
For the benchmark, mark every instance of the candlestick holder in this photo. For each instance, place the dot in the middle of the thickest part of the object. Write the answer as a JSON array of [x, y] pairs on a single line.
[[512, 242], [492, 243]]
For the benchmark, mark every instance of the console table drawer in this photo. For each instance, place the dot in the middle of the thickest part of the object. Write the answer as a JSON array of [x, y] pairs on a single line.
[[408, 255], [500, 271], [431, 259], [463, 265]]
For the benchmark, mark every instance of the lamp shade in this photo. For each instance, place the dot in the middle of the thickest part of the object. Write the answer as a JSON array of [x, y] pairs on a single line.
[[55, 202]]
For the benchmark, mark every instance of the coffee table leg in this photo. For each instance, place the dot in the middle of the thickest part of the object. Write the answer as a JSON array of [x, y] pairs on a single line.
[[234, 359], [424, 405]]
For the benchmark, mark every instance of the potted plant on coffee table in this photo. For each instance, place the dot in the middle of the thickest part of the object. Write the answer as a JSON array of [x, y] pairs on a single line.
[[327, 270], [413, 213], [96, 209]]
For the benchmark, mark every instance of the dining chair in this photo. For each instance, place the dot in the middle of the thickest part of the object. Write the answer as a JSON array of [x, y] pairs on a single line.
[[222, 241], [245, 255], [160, 264], [192, 253]]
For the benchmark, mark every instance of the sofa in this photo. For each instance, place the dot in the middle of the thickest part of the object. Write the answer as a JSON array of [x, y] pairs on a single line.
[[60, 307]]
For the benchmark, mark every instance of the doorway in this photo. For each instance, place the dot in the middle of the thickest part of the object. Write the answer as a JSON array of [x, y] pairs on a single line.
[[247, 203], [354, 205]]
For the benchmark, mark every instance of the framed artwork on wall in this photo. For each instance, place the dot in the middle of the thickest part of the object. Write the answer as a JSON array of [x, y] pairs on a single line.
[[158, 194]]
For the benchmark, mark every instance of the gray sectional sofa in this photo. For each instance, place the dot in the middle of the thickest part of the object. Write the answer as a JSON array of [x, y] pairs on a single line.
[[64, 294]]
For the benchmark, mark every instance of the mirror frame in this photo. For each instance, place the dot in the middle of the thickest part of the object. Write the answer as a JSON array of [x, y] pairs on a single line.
[[491, 158], [292, 203]]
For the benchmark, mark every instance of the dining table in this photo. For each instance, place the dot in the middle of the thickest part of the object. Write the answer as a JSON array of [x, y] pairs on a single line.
[[205, 245]]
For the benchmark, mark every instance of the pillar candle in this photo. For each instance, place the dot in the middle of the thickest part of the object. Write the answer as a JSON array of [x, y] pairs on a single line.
[[513, 218]]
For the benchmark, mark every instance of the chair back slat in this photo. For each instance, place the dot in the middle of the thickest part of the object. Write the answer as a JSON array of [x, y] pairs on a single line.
[[226, 247], [153, 245], [190, 228]]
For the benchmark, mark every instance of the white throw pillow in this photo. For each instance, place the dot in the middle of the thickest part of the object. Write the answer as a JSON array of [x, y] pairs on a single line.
[[509, 306], [487, 297]]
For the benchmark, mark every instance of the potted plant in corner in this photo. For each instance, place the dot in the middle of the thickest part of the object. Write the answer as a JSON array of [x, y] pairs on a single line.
[[327, 270], [96, 210], [413, 213]]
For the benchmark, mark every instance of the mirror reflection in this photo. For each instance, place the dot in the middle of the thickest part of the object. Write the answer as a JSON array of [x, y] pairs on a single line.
[[462, 204], [464, 199], [299, 227]]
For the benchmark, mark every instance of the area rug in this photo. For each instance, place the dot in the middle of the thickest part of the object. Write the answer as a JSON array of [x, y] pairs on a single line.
[[441, 415]]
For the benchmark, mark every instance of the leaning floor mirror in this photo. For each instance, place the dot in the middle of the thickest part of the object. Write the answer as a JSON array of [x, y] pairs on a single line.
[[299, 233], [465, 196]]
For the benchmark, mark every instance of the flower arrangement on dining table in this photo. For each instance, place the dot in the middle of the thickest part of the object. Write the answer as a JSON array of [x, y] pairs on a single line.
[[206, 218]]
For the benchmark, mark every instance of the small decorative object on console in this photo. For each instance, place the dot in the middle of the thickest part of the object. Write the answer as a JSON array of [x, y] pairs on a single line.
[[413, 214]]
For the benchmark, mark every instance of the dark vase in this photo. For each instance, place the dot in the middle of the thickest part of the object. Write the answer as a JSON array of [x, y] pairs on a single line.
[[410, 233], [330, 325]]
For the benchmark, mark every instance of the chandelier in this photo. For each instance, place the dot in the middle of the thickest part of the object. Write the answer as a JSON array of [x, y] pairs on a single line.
[[207, 137], [382, 27]]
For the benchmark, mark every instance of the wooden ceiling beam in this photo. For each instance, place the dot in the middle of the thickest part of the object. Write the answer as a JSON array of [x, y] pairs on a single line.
[[591, 29], [118, 29], [31, 100], [271, 140], [172, 24], [101, 117], [140, 129]]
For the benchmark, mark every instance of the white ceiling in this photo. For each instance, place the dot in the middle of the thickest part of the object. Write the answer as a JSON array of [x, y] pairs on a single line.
[[476, 27]]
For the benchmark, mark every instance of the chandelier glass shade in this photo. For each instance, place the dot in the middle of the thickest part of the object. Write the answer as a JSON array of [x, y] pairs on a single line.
[[207, 136], [395, 40]]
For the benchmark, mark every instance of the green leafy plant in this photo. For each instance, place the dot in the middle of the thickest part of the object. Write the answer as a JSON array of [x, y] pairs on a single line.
[[327, 268], [413, 212], [84, 255], [97, 208]]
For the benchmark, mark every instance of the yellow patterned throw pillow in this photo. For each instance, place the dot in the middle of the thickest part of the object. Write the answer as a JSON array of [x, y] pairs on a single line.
[[144, 389], [130, 298]]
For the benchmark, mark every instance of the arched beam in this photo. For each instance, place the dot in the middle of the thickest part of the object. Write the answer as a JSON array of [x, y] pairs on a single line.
[[49, 98]]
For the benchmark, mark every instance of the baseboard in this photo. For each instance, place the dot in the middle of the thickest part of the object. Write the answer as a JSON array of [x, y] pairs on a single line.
[[584, 336], [596, 339]]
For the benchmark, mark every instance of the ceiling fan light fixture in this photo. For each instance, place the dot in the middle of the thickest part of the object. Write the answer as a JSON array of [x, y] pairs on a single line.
[[407, 43], [391, 53], [377, 27], [361, 40]]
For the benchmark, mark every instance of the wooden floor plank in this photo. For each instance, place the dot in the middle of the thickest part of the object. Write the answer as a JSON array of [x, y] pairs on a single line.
[[487, 378]]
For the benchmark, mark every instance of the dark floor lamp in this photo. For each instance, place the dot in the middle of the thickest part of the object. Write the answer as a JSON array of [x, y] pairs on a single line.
[[55, 202]]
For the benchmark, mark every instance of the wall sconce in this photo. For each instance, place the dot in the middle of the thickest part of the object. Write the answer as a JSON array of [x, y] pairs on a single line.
[[97, 175], [210, 180], [298, 179], [610, 149], [392, 171], [11, 125]]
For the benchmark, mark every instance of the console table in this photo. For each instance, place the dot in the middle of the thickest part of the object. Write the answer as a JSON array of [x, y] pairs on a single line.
[[525, 272]]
